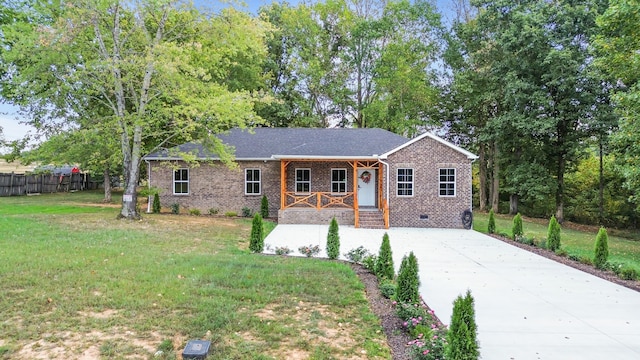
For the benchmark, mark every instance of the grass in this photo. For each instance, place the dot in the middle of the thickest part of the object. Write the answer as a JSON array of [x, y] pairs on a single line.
[[76, 279], [581, 243]]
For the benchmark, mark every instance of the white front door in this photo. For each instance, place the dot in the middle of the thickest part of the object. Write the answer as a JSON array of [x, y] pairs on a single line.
[[366, 187]]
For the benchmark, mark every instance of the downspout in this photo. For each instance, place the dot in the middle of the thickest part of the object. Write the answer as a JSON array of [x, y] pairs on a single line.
[[471, 182], [148, 186]]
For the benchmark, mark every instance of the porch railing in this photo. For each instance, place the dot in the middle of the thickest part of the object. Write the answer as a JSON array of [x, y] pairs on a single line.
[[318, 200]]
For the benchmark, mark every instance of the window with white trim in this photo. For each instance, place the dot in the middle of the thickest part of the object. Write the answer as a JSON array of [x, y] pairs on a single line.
[[405, 182], [338, 181], [181, 182], [447, 182], [252, 183], [303, 181]]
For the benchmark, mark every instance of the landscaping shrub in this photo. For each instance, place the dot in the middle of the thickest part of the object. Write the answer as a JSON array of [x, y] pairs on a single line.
[[156, 203], [408, 281], [256, 242], [562, 252], [246, 212], [283, 250], [333, 240], [369, 262], [525, 240], [491, 229], [516, 230], [194, 212], [463, 332], [309, 250], [387, 289], [264, 207], [231, 214], [213, 211], [384, 265], [601, 249], [553, 235], [175, 208], [628, 273], [357, 255]]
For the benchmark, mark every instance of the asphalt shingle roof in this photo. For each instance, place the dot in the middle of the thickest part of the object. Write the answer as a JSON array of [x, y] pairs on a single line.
[[265, 143]]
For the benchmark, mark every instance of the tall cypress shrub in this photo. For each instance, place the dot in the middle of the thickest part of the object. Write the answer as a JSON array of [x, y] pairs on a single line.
[[602, 249], [264, 207], [516, 230], [256, 241], [553, 234], [463, 331], [384, 264], [333, 240], [408, 281], [491, 229], [156, 203]]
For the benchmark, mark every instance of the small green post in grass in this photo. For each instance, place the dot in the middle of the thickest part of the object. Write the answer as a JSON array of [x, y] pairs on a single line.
[[384, 263], [553, 235], [408, 281], [516, 230], [333, 240], [256, 242], [491, 228], [601, 249], [156, 203], [264, 207], [463, 331]]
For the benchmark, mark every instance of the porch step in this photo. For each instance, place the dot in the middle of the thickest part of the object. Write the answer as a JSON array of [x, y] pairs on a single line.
[[371, 219]]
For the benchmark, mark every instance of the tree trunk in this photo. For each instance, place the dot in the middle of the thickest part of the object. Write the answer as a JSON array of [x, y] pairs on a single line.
[[560, 190], [106, 179], [495, 179], [513, 204], [601, 188], [482, 174]]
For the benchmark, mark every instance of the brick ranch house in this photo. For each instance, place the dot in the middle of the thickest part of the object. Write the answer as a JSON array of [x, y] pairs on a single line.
[[364, 177]]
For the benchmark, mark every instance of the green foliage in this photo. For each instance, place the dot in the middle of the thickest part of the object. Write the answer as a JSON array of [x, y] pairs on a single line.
[[264, 207], [628, 273], [256, 241], [333, 240], [562, 252], [195, 212], [213, 211], [156, 203], [384, 264], [230, 214], [408, 280], [463, 331], [387, 289], [491, 228], [553, 235], [357, 255], [283, 250], [175, 208], [601, 252], [369, 262], [309, 250], [246, 212], [516, 230]]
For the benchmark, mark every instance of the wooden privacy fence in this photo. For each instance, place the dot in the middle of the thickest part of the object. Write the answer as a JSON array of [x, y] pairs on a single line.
[[21, 184]]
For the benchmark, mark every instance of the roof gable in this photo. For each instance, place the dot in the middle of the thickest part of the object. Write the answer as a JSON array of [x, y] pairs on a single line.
[[468, 154]]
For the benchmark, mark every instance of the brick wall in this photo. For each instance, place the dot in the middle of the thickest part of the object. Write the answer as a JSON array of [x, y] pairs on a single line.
[[213, 185], [426, 157]]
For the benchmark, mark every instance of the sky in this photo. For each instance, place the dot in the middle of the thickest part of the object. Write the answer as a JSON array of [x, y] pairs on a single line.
[[12, 129]]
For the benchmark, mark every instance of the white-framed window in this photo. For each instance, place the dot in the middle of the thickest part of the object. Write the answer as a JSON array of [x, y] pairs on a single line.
[[181, 182], [252, 182], [405, 182], [447, 182], [338, 181], [303, 181]]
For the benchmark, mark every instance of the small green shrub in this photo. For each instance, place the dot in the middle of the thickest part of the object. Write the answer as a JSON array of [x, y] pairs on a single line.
[[156, 203], [408, 280], [194, 212], [525, 240], [369, 263], [231, 214], [585, 260], [333, 240], [601, 252], [516, 230], [562, 252], [309, 250], [503, 234], [264, 207], [628, 273], [283, 250], [357, 255], [407, 312], [387, 289], [491, 228], [384, 264], [256, 241], [175, 208], [574, 257], [463, 331], [553, 235], [246, 212], [213, 211]]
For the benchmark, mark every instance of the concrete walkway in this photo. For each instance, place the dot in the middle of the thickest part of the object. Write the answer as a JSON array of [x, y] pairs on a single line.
[[527, 307]]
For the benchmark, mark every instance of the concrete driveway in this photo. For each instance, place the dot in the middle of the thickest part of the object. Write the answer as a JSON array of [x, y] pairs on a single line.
[[527, 307]]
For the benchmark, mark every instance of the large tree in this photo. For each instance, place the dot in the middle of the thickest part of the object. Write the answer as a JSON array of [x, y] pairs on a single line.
[[160, 68]]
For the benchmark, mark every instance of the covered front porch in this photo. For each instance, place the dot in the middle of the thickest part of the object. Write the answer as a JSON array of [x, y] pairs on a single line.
[[314, 190]]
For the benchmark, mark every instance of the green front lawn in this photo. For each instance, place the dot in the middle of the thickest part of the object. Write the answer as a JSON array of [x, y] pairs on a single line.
[[74, 279]]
